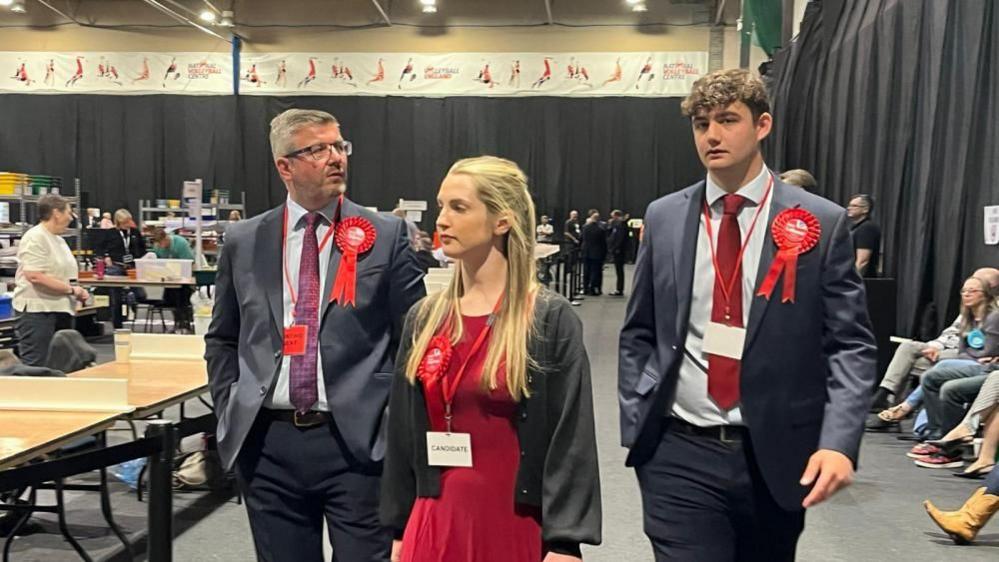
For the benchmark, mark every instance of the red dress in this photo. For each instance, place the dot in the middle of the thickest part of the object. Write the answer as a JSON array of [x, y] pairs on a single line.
[[475, 518]]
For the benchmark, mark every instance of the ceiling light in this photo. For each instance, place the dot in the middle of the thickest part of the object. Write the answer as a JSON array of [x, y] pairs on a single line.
[[428, 2], [429, 9], [640, 7], [633, 2], [6, 2], [17, 7], [207, 16], [227, 19]]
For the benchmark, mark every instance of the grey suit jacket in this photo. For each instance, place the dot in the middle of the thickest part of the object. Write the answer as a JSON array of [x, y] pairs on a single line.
[[357, 346], [807, 369]]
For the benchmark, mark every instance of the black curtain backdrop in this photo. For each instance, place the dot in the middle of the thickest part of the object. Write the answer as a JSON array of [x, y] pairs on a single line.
[[900, 99], [579, 153]]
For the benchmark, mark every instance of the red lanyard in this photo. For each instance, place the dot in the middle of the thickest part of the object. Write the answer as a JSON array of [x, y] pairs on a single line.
[[284, 245], [449, 390], [736, 273]]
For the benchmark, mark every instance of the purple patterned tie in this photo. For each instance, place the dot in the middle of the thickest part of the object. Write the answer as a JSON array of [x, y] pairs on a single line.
[[303, 367]]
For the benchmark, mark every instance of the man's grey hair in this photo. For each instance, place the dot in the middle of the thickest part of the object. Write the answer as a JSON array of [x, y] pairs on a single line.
[[286, 124]]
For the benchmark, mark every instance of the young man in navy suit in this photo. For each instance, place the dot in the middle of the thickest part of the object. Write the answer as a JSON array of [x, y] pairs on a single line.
[[746, 357]]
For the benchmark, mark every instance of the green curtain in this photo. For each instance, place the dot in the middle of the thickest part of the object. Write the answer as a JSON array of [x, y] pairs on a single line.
[[766, 15]]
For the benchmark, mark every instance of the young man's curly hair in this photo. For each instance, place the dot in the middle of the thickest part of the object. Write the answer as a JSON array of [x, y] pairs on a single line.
[[723, 87]]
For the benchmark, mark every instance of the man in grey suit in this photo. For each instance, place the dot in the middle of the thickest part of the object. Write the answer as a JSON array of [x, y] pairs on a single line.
[[746, 358], [310, 300]]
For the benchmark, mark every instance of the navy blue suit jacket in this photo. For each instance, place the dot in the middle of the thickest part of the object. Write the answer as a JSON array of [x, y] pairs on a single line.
[[357, 344], [807, 368]]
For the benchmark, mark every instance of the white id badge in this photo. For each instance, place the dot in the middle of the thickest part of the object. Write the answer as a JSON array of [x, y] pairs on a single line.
[[726, 341], [449, 449]]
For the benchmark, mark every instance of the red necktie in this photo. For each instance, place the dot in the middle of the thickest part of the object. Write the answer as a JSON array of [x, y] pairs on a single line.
[[723, 372], [303, 392]]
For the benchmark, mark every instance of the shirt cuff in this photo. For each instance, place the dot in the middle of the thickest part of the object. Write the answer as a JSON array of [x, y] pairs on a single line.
[[566, 548]]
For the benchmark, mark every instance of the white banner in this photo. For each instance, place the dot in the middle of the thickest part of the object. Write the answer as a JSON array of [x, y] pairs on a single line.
[[655, 74], [472, 74], [116, 73], [992, 225]]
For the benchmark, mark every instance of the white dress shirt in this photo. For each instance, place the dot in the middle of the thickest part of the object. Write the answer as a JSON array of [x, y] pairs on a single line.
[[278, 397], [693, 404]]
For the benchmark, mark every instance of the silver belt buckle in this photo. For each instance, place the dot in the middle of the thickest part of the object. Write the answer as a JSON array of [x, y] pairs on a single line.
[[723, 434]]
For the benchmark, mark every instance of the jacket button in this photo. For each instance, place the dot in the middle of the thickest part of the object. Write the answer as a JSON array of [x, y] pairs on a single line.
[[277, 354], [674, 348], [522, 453], [523, 415], [263, 390], [523, 492]]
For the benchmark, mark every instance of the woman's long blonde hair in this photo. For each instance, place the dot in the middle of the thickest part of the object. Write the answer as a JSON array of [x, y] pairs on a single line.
[[502, 187]]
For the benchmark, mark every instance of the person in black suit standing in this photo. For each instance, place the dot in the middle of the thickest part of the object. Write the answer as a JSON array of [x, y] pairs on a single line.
[[617, 246], [572, 234], [119, 247], [594, 249]]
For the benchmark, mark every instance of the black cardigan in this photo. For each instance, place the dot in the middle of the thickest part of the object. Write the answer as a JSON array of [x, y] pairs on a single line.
[[558, 468], [113, 245]]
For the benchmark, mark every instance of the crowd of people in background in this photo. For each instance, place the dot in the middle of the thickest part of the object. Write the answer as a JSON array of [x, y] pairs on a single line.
[[594, 242], [950, 385]]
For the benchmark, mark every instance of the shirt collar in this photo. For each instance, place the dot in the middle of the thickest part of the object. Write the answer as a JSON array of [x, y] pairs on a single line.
[[754, 190], [297, 212]]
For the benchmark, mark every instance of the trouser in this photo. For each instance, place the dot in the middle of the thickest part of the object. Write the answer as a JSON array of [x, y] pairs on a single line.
[[180, 300], [947, 387], [705, 500], [292, 478], [907, 360], [593, 274], [619, 271], [34, 331], [992, 483]]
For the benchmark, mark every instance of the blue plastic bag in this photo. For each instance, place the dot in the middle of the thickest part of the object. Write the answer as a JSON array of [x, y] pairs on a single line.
[[128, 471]]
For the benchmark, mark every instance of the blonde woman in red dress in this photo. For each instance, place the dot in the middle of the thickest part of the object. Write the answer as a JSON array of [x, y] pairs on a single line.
[[491, 455]]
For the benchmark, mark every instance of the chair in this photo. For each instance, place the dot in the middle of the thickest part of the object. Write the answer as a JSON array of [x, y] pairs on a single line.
[[152, 305]]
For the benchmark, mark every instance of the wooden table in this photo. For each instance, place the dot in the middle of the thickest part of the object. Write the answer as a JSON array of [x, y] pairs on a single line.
[[126, 281], [154, 386], [25, 435]]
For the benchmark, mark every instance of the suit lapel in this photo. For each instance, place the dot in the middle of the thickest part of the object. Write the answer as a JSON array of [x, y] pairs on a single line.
[[270, 237], [759, 306], [684, 237]]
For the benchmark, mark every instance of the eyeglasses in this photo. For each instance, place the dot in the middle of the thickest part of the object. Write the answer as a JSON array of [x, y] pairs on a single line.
[[323, 150]]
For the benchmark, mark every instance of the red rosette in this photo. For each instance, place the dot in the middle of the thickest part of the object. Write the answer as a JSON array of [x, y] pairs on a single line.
[[354, 236], [436, 359], [795, 231]]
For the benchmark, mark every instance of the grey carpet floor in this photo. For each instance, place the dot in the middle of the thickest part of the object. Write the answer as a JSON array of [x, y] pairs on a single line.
[[879, 518]]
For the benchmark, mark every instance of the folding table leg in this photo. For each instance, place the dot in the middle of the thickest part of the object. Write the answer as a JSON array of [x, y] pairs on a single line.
[[106, 502], [63, 528], [20, 523]]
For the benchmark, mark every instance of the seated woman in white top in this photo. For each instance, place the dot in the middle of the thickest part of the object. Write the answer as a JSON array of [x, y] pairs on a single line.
[[45, 297]]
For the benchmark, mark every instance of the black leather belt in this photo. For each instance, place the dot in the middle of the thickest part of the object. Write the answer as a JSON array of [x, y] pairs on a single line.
[[307, 419], [723, 433]]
